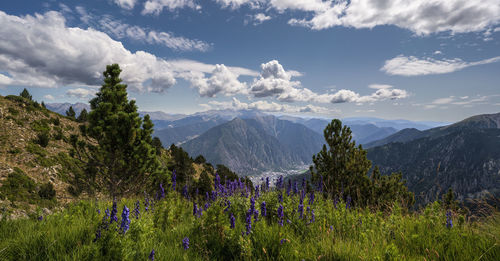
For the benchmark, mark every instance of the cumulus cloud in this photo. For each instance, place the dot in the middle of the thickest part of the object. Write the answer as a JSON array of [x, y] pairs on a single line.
[[79, 93], [420, 16], [222, 80], [5, 80], [42, 51], [126, 4], [412, 66], [156, 6], [266, 106]]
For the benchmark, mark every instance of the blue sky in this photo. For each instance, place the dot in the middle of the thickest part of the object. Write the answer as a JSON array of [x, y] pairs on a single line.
[[396, 59]]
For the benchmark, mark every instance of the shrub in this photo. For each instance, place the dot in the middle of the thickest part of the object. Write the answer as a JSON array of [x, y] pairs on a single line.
[[47, 191], [43, 139]]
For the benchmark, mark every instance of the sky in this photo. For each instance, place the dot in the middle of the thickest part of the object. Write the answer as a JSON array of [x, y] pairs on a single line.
[[432, 60]]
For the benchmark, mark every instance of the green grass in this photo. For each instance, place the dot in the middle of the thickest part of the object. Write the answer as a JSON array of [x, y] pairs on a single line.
[[336, 234]]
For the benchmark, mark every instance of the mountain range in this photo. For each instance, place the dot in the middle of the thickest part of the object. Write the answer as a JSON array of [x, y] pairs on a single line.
[[464, 156]]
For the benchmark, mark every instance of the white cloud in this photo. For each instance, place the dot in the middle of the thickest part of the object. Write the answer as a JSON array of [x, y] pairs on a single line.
[[222, 81], [156, 6], [56, 55], [266, 106], [446, 100], [379, 86], [5, 80], [260, 18], [49, 97], [438, 52], [496, 29], [121, 30], [465, 101], [420, 16], [126, 4], [412, 66], [79, 93]]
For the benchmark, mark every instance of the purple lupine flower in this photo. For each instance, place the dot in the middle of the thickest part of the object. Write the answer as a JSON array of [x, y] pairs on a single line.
[[311, 198], [107, 212], [195, 208], [257, 191], [348, 203], [255, 215], [280, 197], [301, 210], [449, 221], [295, 188], [267, 183], [280, 215], [228, 205], [185, 243], [231, 220], [40, 218], [207, 205], [99, 211], [289, 188], [279, 183], [302, 196], [312, 216], [263, 208], [152, 255], [282, 241], [303, 183], [288, 221], [248, 222], [174, 180], [335, 201], [331, 228], [216, 180], [136, 209], [199, 213], [185, 192], [162, 191], [114, 211], [125, 220], [252, 204]]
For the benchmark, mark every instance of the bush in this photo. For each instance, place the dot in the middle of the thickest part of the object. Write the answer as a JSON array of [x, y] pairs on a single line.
[[13, 111], [43, 139], [47, 191], [55, 121], [18, 186]]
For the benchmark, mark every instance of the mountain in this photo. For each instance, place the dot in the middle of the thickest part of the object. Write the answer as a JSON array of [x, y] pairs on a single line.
[[252, 145], [396, 124], [464, 156], [61, 108]]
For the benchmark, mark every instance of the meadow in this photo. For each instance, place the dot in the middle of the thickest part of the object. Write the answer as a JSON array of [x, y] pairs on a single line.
[[234, 223]]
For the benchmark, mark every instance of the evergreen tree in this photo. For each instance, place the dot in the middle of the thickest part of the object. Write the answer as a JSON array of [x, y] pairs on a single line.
[[118, 151], [25, 94], [70, 112], [83, 116], [158, 145], [200, 159], [43, 105]]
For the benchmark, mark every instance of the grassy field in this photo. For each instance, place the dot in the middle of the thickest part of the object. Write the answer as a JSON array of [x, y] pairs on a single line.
[[83, 231]]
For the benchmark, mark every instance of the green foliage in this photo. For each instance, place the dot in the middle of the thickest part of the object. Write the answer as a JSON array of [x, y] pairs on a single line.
[[13, 111], [42, 139], [18, 186], [71, 113], [157, 145], [55, 121], [25, 94], [343, 167], [123, 156], [337, 234], [200, 159], [83, 117], [182, 164], [47, 191]]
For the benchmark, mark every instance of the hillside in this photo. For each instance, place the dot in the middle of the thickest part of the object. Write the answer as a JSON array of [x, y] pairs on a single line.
[[464, 156], [25, 162], [250, 145]]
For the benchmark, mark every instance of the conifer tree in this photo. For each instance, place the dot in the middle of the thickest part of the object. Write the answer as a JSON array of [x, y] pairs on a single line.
[[25, 94], [71, 113], [118, 150], [83, 116]]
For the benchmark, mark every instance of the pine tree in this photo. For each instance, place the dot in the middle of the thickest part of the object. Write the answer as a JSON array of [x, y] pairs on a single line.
[[43, 105], [118, 150], [25, 94], [83, 116], [157, 144], [71, 113]]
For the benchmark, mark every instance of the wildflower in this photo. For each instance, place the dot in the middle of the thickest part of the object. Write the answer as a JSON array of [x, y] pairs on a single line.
[[331, 228], [255, 215], [257, 192], [185, 192], [301, 210], [99, 211], [174, 178], [348, 203], [248, 222], [252, 205], [288, 221], [312, 216], [280, 214], [283, 241], [185, 243], [449, 221], [231, 220], [114, 211], [311, 198], [162, 191], [107, 212], [152, 255], [289, 188], [125, 219], [295, 188], [97, 235], [263, 208], [228, 205], [136, 209], [216, 181], [40, 218], [195, 208], [280, 197], [303, 183], [267, 183]]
